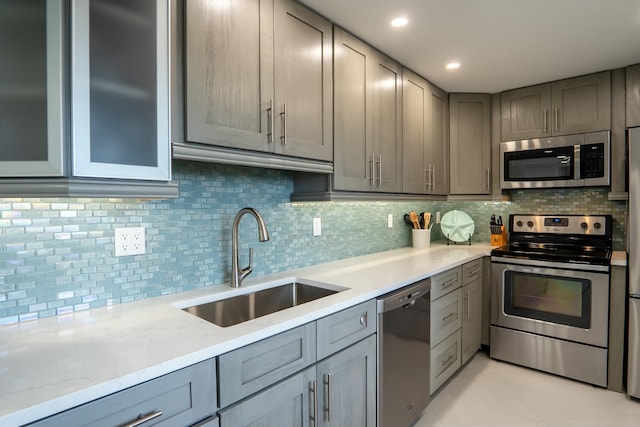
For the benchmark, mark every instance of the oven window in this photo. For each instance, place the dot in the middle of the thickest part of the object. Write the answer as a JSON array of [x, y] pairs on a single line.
[[539, 165], [556, 299]]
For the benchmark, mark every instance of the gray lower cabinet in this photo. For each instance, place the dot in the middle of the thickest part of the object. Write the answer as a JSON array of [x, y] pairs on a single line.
[[346, 386], [564, 107], [633, 96], [254, 367], [181, 398], [471, 318], [286, 404], [470, 143], [445, 360], [322, 373], [368, 111], [425, 137], [258, 77]]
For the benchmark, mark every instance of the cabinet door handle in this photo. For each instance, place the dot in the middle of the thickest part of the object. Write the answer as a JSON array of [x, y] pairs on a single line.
[[545, 121], [313, 402], [433, 182], [380, 170], [283, 138], [488, 178], [327, 400], [467, 308], [270, 119], [144, 419], [556, 114], [427, 178], [450, 316], [372, 169]]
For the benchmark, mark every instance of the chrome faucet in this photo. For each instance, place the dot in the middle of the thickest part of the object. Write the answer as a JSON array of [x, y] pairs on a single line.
[[237, 273]]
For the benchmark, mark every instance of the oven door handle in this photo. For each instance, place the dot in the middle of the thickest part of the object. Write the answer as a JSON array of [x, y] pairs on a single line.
[[549, 264]]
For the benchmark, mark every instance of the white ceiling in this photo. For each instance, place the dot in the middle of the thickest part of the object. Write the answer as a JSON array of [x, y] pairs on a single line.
[[501, 44]]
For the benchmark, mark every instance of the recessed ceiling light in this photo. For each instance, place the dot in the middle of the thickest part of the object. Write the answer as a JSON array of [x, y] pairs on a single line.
[[453, 65], [399, 22]]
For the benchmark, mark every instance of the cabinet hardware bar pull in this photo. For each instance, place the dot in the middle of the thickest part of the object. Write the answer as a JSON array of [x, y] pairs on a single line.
[[283, 138], [556, 114], [427, 178], [467, 306], [313, 402], [270, 118], [488, 178], [450, 316], [380, 171], [446, 362], [144, 419], [433, 182], [474, 272], [372, 168], [449, 283], [327, 406], [545, 123]]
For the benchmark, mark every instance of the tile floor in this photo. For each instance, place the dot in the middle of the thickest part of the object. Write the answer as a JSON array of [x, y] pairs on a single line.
[[488, 393]]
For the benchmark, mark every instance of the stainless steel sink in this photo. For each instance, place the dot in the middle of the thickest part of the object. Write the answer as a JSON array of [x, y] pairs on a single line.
[[240, 308]]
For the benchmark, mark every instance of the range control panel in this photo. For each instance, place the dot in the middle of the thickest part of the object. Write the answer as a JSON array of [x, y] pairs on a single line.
[[595, 225]]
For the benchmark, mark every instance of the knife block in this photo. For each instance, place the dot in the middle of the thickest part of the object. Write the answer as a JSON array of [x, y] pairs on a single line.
[[499, 238]]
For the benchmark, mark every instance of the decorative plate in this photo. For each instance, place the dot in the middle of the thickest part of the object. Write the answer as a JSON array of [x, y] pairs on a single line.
[[457, 226]]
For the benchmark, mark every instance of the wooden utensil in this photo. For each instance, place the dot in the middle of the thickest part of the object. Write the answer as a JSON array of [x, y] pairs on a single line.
[[427, 219], [414, 219]]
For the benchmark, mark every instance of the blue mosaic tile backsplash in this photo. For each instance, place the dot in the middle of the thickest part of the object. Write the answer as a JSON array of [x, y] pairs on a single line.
[[57, 255]]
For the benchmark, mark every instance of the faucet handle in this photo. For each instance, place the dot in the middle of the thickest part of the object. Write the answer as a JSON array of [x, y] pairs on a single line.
[[246, 271]]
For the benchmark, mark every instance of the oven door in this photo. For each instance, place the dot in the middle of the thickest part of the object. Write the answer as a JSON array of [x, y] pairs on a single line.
[[552, 301]]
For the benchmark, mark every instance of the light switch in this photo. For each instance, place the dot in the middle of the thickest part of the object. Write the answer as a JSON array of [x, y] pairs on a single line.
[[317, 226]]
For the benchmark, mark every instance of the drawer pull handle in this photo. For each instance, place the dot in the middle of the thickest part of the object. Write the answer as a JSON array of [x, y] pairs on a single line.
[[144, 419], [448, 361], [313, 404], [450, 316], [327, 389], [449, 283], [363, 319], [474, 272]]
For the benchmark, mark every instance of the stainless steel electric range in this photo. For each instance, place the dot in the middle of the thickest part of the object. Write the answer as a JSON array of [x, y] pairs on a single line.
[[550, 295]]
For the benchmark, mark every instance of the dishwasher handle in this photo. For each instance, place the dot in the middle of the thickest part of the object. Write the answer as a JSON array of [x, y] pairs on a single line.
[[404, 297]]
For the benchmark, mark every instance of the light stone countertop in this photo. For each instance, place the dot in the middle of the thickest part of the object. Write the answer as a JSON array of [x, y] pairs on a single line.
[[53, 364]]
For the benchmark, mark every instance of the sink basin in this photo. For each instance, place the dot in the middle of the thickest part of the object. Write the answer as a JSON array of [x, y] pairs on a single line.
[[240, 308]]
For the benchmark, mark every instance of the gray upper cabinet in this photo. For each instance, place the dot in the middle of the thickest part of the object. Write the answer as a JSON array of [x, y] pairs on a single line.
[[258, 77], [470, 143], [84, 93], [120, 89], [633, 95], [229, 73], [577, 105], [368, 117], [31, 88], [425, 137]]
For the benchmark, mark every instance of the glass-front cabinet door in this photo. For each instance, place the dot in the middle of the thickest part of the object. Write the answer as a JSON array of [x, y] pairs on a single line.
[[31, 88], [120, 89]]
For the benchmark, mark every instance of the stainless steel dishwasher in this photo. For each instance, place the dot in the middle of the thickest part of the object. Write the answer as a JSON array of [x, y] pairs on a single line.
[[403, 354]]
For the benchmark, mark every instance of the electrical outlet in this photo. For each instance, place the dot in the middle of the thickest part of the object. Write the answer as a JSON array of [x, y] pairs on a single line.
[[130, 241], [389, 220], [438, 217], [317, 226]]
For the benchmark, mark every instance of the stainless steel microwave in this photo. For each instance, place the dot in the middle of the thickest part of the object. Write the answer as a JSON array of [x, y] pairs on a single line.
[[560, 161]]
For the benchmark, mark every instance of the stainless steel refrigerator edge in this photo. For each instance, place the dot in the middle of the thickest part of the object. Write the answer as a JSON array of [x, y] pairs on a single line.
[[633, 378]]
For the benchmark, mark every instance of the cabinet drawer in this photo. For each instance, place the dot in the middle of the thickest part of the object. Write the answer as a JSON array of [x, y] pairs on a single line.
[[445, 361], [471, 271], [182, 398], [446, 316], [443, 283], [346, 327], [256, 366]]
